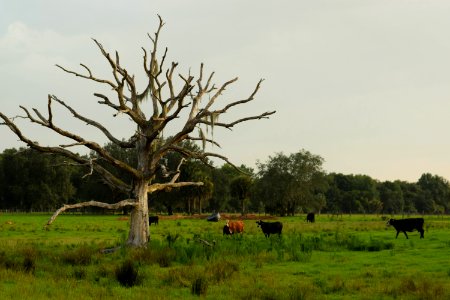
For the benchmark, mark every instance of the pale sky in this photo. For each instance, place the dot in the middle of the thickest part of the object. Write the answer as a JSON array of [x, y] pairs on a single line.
[[365, 84]]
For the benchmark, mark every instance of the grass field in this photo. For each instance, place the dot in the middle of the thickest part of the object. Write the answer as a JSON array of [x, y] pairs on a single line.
[[353, 257]]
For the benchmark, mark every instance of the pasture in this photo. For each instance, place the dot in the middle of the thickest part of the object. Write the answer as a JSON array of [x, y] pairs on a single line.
[[353, 257]]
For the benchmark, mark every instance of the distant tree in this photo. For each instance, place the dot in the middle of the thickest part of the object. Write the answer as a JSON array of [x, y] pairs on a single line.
[[222, 198], [31, 181], [436, 193], [412, 196], [375, 206], [240, 190], [168, 100], [351, 193], [392, 197], [287, 184]]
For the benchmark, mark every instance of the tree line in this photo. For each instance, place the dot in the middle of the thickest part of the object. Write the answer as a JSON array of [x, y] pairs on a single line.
[[281, 185]]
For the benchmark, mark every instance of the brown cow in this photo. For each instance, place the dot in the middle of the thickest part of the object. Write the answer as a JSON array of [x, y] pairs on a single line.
[[233, 227]]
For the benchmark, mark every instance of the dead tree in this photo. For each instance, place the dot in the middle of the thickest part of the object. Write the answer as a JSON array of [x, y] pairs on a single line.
[[166, 103]]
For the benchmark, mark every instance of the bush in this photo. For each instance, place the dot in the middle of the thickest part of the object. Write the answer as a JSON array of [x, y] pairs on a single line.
[[199, 286], [29, 261], [127, 274]]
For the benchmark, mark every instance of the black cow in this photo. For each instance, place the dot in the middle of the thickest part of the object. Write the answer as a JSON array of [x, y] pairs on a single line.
[[153, 219], [310, 218], [269, 228], [405, 225]]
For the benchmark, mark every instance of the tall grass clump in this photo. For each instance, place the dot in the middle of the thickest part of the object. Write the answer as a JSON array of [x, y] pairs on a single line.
[[29, 260], [156, 253], [302, 291], [199, 286], [127, 274], [417, 287], [221, 270], [80, 255], [19, 259], [355, 243]]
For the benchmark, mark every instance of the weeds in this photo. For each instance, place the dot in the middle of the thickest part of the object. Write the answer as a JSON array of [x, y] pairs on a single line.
[[81, 255], [418, 287], [221, 270]]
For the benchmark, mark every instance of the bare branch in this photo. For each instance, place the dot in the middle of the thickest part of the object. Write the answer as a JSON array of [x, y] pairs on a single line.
[[201, 139], [121, 204], [90, 77], [49, 107], [177, 172], [163, 186], [250, 98], [72, 145], [91, 163], [230, 125], [219, 92], [108, 178], [95, 124]]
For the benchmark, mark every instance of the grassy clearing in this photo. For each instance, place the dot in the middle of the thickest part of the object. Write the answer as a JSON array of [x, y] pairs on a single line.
[[353, 257]]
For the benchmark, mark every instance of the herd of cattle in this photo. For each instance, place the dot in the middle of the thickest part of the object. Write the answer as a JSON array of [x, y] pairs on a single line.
[[268, 228]]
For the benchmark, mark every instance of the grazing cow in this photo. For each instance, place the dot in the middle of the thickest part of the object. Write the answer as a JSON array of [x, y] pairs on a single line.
[[153, 219], [233, 227], [269, 228], [405, 225], [310, 218]]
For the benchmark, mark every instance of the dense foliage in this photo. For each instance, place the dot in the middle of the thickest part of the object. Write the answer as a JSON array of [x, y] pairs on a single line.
[[282, 185]]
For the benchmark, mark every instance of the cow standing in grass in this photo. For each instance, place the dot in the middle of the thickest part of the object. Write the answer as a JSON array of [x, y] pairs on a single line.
[[233, 227], [310, 218], [269, 228], [153, 219], [405, 225]]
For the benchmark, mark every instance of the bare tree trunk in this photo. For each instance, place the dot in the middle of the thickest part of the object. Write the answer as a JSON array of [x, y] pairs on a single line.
[[139, 234]]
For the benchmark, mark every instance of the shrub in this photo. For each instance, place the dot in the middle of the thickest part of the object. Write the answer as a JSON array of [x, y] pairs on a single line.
[[127, 274], [199, 286], [29, 261]]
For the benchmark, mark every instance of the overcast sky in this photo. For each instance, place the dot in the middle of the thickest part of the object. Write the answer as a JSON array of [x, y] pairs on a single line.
[[365, 84]]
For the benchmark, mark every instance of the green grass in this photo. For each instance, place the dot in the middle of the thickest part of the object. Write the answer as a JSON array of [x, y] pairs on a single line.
[[353, 257]]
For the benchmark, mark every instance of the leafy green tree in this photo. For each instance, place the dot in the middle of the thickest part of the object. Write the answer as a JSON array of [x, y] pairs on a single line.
[[287, 184], [351, 193], [392, 197], [436, 193], [412, 196], [222, 198], [34, 182], [240, 187]]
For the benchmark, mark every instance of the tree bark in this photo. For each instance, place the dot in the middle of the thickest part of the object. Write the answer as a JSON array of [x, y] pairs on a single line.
[[139, 234]]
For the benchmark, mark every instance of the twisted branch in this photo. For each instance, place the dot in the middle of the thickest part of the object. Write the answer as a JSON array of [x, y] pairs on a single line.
[[121, 204]]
